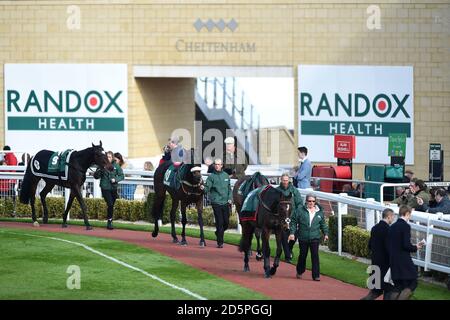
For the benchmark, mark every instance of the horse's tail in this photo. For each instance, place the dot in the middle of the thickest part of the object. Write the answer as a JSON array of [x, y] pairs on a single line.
[[25, 189], [160, 192]]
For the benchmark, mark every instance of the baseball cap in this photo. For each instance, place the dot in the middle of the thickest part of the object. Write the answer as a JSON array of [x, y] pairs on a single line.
[[229, 140]]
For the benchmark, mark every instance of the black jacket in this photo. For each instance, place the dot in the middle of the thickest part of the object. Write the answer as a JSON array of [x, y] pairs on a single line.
[[379, 246], [400, 249]]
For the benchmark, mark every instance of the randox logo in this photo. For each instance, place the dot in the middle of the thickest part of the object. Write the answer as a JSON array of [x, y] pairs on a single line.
[[63, 101], [354, 105]]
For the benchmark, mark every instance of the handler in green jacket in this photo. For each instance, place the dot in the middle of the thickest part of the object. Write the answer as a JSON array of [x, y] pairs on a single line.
[[307, 222], [287, 188], [218, 187], [109, 181]]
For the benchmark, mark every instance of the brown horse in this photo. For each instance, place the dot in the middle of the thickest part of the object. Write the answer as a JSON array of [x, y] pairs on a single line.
[[79, 163], [189, 191], [256, 180], [274, 210]]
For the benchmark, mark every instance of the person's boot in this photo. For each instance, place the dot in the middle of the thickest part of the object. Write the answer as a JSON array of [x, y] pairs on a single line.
[[109, 226], [405, 294]]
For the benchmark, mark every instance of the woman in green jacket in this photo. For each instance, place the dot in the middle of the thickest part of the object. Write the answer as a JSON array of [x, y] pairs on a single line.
[[109, 181], [307, 222]]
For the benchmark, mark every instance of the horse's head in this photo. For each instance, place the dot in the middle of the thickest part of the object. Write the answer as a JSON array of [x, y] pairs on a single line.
[[284, 210], [100, 158], [196, 172]]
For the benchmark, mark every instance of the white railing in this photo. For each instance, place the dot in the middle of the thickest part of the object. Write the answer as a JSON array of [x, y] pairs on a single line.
[[434, 228], [430, 226]]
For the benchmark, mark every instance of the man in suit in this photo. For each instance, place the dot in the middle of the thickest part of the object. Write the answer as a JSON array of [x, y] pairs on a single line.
[[303, 175], [403, 270], [379, 246]]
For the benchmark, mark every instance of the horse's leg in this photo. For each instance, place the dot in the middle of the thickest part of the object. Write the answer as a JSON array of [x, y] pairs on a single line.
[[259, 255], [276, 261], [173, 210], [83, 207], [199, 206], [66, 212], [266, 252], [34, 185], [48, 187], [247, 235], [158, 207], [183, 223]]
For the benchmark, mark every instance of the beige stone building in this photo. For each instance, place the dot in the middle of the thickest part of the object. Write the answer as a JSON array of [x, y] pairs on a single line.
[[167, 43]]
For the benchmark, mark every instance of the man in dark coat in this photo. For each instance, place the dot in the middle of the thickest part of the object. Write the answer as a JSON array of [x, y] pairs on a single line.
[[403, 270], [235, 162], [379, 247]]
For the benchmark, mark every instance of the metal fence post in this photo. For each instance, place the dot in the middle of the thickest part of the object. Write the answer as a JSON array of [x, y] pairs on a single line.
[[429, 244], [342, 210], [206, 91], [370, 215], [66, 200], [215, 94], [224, 103], [97, 192]]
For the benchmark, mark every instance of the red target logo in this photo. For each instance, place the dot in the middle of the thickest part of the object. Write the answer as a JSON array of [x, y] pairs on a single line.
[[93, 101]]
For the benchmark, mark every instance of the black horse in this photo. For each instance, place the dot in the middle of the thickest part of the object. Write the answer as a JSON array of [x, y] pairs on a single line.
[[78, 164], [189, 192], [257, 180], [273, 214]]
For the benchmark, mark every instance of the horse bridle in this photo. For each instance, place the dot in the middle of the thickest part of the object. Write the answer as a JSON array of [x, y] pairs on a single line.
[[184, 182], [287, 220]]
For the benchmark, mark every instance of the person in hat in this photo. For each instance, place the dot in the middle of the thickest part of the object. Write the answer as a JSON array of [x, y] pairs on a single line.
[[235, 163], [174, 151], [409, 175], [303, 175]]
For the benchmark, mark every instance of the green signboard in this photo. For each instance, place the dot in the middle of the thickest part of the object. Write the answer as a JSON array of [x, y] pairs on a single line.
[[397, 145]]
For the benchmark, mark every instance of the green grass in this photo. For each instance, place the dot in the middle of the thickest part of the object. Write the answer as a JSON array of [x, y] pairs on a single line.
[[341, 268], [36, 268]]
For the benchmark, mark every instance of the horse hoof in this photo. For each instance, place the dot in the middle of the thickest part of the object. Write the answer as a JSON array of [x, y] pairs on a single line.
[[174, 240], [89, 228], [246, 269], [267, 276], [259, 257], [273, 271], [154, 234], [202, 243], [64, 225], [35, 224], [45, 221], [183, 243]]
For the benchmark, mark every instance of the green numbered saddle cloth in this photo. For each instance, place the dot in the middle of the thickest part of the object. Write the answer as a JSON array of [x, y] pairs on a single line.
[[51, 164], [249, 209], [256, 180], [174, 175]]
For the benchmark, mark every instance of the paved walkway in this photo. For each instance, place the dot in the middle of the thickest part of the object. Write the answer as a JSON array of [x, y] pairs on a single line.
[[226, 263]]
